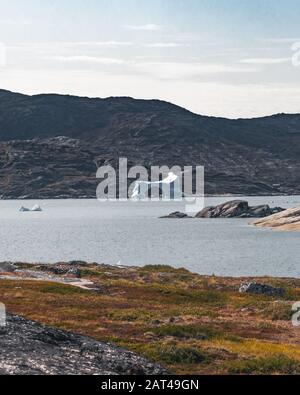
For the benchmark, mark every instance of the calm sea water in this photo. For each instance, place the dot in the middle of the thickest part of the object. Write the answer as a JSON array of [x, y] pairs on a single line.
[[132, 234]]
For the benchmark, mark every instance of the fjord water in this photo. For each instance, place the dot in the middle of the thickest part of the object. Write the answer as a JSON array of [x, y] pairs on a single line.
[[130, 233]]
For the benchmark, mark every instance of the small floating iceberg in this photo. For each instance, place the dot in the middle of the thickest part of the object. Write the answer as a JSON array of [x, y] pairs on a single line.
[[24, 209], [35, 208]]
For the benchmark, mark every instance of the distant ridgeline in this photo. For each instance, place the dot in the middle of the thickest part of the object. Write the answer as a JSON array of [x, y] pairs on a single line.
[[51, 145]]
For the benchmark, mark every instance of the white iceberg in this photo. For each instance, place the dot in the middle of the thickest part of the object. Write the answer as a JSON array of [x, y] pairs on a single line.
[[35, 208], [170, 188]]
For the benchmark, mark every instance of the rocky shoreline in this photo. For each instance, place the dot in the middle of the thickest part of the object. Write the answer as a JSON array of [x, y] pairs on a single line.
[[289, 220], [276, 218], [231, 209]]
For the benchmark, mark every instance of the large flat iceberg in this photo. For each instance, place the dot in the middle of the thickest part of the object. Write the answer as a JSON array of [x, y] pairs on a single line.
[[169, 187]]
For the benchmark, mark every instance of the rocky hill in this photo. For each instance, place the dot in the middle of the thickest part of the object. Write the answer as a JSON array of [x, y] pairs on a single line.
[[51, 145]]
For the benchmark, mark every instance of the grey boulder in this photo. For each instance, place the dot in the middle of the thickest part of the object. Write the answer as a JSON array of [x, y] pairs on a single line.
[[7, 267], [238, 209], [261, 289], [176, 215]]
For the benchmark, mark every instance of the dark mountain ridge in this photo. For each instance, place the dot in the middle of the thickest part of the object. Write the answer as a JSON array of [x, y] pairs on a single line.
[[243, 156]]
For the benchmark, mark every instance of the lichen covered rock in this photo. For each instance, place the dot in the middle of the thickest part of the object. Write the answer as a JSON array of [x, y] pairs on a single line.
[[29, 348]]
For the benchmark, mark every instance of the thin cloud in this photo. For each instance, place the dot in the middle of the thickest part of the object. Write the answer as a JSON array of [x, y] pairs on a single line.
[[158, 70], [149, 27], [180, 70], [164, 45], [89, 59], [265, 61], [283, 40], [104, 44]]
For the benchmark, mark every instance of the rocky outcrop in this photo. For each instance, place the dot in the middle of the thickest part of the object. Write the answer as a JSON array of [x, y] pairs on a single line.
[[62, 269], [61, 273], [287, 220], [51, 145], [7, 267], [28, 348], [238, 209], [176, 215], [261, 289]]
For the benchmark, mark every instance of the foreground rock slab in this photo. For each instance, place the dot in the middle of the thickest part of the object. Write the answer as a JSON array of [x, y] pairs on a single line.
[[238, 209], [29, 348], [288, 220]]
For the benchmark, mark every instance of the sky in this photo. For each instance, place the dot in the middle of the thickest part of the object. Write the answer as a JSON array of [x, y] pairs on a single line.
[[229, 58]]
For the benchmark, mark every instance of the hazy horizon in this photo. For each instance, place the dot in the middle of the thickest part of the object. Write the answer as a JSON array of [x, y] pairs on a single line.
[[219, 58]]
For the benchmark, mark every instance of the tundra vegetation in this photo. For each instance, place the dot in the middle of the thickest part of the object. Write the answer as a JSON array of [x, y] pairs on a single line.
[[190, 324]]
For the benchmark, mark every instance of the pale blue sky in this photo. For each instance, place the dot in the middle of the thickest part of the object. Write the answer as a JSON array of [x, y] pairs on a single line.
[[218, 57]]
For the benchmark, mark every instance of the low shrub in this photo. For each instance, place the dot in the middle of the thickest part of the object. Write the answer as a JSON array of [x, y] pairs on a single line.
[[278, 364], [174, 354]]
